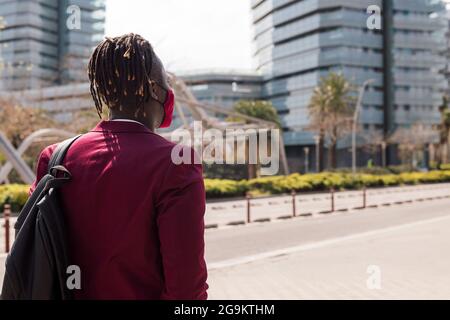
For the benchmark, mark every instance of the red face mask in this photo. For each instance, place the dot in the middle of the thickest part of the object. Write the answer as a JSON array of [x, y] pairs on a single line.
[[168, 109]]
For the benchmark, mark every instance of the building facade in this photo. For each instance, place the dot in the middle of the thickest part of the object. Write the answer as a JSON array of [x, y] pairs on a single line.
[[299, 41], [224, 88], [47, 42], [221, 88], [446, 70]]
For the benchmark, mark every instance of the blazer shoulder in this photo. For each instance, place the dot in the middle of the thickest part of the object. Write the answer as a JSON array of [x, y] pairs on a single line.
[[45, 156]]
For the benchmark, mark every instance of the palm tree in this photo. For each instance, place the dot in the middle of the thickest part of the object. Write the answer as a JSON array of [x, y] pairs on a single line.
[[444, 131], [330, 111], [317, 109]]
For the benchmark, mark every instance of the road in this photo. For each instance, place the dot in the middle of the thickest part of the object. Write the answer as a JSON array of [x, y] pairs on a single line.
[[328, 257]]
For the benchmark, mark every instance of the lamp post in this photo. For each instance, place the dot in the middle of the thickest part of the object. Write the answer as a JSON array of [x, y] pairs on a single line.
[[318, 155], [383, 154], [355, 121], [306, 151]]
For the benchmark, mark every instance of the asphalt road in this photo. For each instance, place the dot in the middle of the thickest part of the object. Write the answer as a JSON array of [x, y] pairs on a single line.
[[334, 257], [231, 242]]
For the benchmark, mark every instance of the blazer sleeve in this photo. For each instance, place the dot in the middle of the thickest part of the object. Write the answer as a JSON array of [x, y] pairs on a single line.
[[180, 221], [42, 165]]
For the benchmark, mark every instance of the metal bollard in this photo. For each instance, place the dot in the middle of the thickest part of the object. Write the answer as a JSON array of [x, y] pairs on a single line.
[[332, 200], [6, 216], [294, 209], [248, 197], [364, 197]]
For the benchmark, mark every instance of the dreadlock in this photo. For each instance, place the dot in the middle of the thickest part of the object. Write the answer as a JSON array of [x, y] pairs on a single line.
[[120, 72]]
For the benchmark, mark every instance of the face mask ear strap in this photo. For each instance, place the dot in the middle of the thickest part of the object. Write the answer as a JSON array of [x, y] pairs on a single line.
[[168, 109]]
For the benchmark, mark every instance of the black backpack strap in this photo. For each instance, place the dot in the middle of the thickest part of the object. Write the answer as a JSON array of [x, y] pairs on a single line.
[[50, 180], [32, 201], [60, 152]]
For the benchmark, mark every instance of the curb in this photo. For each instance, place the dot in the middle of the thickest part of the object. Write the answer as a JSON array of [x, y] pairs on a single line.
[[308, 214], [325, 212], [285, 217], [236, 223]]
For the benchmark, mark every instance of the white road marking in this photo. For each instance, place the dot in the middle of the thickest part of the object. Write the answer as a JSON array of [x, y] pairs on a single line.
[[317, 245]]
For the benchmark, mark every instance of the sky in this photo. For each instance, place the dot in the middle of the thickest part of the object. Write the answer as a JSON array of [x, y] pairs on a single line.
[[188, 34]]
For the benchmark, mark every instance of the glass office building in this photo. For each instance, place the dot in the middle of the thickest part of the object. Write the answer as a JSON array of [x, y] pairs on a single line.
[[47, 42], [223, 88], [299, 41]]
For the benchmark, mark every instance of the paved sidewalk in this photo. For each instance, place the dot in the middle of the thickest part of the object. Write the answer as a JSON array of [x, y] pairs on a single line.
[[232, 212], [412, 259]]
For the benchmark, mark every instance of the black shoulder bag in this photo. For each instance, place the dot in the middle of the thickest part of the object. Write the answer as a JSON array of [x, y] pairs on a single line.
[[36, 267]]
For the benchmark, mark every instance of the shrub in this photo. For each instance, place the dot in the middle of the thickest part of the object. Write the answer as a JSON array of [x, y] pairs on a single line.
[[218, 188], [14, 194]]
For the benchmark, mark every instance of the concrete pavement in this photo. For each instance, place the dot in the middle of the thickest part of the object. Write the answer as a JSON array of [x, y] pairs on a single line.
[[232, 212], [403, 249]]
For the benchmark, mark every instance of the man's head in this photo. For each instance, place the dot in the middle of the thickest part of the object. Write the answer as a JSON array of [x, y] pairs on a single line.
[[127, 76]]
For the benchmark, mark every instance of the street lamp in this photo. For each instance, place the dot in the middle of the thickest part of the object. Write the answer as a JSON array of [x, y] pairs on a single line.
[[355, 121], [318, 155], [383, 153], [306, 151]]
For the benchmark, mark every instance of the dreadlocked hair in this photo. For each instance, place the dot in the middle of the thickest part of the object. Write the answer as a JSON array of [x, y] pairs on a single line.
[[120, 72]]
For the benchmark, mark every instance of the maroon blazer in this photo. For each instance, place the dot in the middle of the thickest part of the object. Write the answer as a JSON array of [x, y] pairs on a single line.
[[135, 220]]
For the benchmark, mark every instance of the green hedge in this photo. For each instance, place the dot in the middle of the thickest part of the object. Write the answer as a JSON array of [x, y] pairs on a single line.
[[217, 188], [318, 182], [14, 194]]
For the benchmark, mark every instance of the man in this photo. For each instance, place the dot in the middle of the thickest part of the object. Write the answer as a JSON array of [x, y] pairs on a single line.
[[135, 219]]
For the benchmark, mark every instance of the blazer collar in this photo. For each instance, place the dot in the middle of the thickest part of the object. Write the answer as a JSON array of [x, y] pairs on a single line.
[[121, 126]]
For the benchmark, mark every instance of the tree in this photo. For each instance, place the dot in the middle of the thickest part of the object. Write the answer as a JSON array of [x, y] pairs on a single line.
[[330, 111], [412, 141], [444, 132], [317, 109], [374, 143], [2, 63], [83, 121], [18, 122], [260, 109]]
